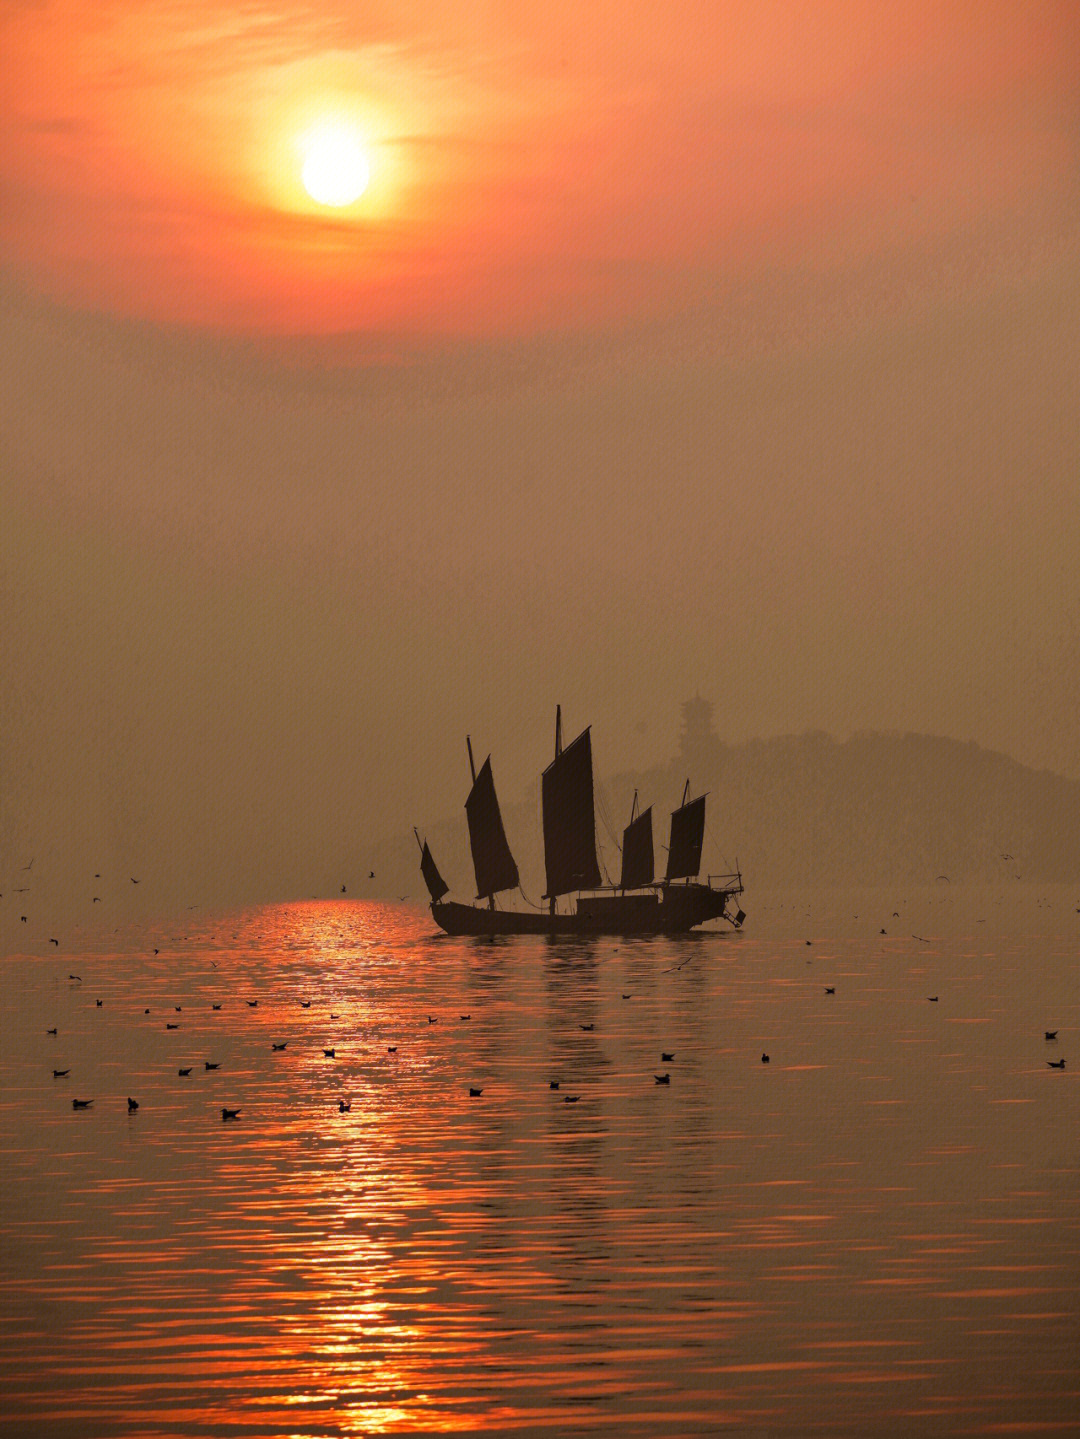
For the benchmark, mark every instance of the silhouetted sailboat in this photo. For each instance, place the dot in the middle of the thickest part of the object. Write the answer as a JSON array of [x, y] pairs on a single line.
[[638, 904]]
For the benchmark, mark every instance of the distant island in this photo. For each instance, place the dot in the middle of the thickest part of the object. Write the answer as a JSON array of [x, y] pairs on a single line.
[[809, 809]]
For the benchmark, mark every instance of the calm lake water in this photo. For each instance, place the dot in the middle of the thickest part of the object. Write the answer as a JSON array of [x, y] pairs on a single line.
[[876, 1233]]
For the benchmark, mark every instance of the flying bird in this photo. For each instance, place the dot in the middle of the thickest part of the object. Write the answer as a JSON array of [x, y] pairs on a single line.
[[55, 941]]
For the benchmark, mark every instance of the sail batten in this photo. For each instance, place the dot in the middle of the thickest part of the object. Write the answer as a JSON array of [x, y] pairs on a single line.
[[687, 836], [569, 821], [637, 852], [495, 866]]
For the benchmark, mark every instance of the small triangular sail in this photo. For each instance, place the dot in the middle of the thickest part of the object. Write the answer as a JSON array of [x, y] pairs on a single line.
[[637, 852], [437, 886], [494, 864], [687, 835], [569, 822]]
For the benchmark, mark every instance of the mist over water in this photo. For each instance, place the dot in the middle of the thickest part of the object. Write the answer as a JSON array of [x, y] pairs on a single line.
[[874, 1233]]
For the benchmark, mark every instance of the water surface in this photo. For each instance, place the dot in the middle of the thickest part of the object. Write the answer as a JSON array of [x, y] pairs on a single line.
[[874, 1233]]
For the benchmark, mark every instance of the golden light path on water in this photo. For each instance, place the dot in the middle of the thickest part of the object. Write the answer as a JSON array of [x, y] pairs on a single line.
[[874, 1233]]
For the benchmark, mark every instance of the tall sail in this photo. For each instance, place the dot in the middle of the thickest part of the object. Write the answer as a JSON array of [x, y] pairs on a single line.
[[637, 852], [687, 833], [569, 823], [494, 864], [437, 886]]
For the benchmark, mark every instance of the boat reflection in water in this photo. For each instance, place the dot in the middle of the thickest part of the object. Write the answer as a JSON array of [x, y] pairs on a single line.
[[638, 904]]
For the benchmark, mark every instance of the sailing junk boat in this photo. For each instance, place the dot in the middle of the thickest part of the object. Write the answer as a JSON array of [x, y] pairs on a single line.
[[638, 904]]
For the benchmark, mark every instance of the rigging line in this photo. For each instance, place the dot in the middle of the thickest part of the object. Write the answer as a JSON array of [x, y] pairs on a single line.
[[716, 845], [530, 902], [605, 818]]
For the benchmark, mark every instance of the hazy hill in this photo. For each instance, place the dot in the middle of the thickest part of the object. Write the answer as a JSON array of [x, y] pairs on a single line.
[[804, 809]]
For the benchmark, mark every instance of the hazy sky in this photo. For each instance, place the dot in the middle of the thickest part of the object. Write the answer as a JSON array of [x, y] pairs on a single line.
[[718, 347]]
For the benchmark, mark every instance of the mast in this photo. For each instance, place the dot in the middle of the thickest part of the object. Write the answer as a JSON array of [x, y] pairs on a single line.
[[495, 866], [569, 822]]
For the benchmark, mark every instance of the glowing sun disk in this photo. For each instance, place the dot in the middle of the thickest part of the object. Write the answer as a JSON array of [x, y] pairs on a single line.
[[335, 170]]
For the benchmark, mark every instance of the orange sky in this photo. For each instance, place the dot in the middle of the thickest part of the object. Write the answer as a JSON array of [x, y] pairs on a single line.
[[534, 168], [689, 347]]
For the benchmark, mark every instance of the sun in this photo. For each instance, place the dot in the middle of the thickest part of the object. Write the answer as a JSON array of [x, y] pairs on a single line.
[[335, 170]]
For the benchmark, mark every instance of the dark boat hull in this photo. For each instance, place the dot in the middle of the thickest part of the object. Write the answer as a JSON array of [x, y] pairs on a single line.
[[674, 909]]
